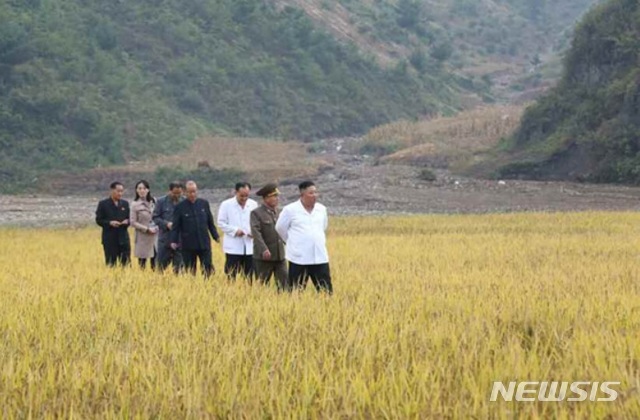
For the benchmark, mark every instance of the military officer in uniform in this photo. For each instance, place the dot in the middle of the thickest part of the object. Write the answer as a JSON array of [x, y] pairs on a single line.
[[268, 247]]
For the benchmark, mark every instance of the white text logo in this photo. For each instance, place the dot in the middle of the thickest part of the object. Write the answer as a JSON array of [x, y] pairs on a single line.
[[555, 391]]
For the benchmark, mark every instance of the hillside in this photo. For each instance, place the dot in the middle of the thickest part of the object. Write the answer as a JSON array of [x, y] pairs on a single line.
[[87, 83], [443, 142], [480, 38], [588, 127]]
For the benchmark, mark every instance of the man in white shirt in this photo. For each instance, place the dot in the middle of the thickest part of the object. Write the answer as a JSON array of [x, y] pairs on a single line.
[[234, 220], [302, 226]]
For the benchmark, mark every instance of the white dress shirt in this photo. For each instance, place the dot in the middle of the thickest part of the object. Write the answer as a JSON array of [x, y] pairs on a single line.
[[231, 217], [304, 233]]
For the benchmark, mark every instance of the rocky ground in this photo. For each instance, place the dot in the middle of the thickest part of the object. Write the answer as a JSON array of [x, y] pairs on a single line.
[[353, 184]]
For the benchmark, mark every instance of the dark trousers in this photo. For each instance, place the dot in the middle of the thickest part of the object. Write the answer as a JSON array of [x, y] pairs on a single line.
[[235, 264], [117, 254], [265, 269], [320, 275], [190, 256], [143, 262], [168, 256]]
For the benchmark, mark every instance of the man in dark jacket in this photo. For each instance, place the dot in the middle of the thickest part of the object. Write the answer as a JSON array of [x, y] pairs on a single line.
[[268, 247], [112, 215], [163, 217], [192, 224]]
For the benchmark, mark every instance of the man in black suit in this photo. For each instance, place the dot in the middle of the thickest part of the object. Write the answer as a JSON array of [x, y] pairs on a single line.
[[112, 215], [192, 224], [163, 217]]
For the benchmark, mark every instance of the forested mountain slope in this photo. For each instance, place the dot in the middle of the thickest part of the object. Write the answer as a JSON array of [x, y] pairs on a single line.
[[588, 127], [86, 83]]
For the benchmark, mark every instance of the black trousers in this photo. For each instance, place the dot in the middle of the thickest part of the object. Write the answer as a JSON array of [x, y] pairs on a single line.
[[115, 253], [235, 264], [168, 256], [265, 269], [143, 262], [190, 257], [320, 275]]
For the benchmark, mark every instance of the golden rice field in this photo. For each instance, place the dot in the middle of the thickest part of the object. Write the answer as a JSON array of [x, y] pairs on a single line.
[[428, 312]]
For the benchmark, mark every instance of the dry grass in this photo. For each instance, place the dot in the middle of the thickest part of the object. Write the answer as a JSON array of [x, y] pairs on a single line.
[[259, 157], [445, 140], [428, 312]]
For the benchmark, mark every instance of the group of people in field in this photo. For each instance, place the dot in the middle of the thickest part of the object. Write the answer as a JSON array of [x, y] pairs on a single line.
[[258, 239]]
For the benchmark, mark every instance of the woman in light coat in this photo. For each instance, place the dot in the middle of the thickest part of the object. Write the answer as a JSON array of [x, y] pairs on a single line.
[[141, 218]]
